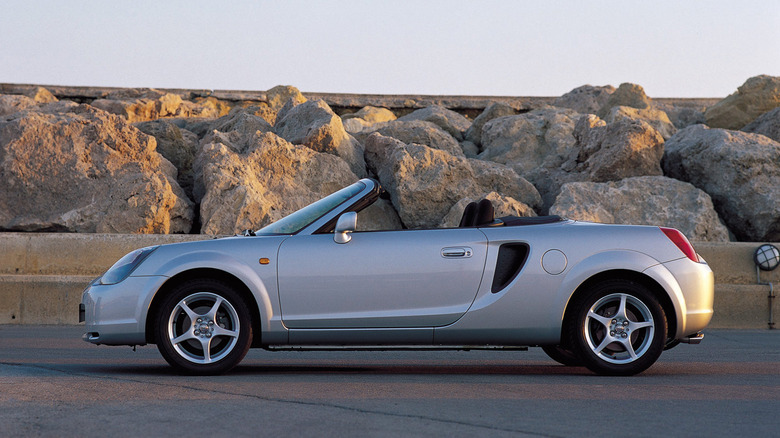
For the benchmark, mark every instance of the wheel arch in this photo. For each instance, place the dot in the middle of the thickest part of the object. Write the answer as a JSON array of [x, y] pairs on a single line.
[[625, 274], [205, 273]]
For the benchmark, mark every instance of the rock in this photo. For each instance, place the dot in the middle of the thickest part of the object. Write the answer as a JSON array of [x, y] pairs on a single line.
[[149, 105], [424, 183], [656, 118], [767, 124], [502, 206], [177, 145], [279, 95], [415, 131], [740, 171], [586, 99], [371, 115], [494, 111], [600, 153], [682, 115], [626, 95], [379, 216], [450, 121], [208, 107], [41, 95], [316, 126], [14, 103], [248, 186], [756, 96], [527, 141], [84, 170], [644, 200], [618, 150], [354, 125], [469, 149]]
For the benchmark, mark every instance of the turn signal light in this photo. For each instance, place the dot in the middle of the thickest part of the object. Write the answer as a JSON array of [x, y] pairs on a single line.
[[264, 261], [682, 242]]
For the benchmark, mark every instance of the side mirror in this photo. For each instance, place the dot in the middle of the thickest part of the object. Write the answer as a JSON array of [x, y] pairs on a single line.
[[345, 225]]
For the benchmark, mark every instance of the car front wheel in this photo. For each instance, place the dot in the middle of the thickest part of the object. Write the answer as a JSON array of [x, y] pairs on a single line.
[[618, 328], [203, 327]]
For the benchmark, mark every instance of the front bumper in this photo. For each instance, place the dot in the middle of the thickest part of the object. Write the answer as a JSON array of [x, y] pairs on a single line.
[[116, 314]]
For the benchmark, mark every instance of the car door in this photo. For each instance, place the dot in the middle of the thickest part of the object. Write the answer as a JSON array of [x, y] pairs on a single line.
[[410, 278]]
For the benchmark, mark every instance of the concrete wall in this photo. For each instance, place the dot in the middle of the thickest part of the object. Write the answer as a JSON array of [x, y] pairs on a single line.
[[42, 276]]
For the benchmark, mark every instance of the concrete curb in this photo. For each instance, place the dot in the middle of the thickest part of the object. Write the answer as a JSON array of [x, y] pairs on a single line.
[[42, 276]]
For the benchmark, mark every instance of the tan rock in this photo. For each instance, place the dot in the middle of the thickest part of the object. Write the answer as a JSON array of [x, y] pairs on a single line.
[[654, 117], [493, 111], [84, 170], [316, 126], [645, 200], [450, 121], [371, 115], [248, 186], [527, 141], [739, 170], [424, 183], [627, 94], [756, 96], [415, 131], [279, 95], [14, 103], [586, 99]]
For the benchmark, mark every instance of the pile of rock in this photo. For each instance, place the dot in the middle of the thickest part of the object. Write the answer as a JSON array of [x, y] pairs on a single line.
[[147, 161]]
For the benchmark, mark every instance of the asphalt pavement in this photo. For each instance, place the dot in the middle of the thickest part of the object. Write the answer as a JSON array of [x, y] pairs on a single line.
[[54, 384]]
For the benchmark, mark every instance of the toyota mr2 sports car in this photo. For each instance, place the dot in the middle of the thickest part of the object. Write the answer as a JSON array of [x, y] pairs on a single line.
[[607, 297]]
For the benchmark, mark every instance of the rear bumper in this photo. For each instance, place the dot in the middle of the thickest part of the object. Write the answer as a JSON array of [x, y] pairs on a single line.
[[693, 289]]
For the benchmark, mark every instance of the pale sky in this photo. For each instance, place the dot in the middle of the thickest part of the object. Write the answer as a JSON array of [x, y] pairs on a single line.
[[679, 48]]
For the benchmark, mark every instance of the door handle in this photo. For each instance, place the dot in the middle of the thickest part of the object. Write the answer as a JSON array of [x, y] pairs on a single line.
[[452, 252]]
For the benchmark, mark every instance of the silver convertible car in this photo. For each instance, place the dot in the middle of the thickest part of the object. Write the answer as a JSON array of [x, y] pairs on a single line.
[[607, 297]]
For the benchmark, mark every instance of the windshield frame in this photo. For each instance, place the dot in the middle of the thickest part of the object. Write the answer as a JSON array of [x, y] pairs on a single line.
[[310, 218]]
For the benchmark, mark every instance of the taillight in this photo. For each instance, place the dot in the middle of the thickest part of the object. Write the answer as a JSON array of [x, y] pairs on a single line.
[[682, 242]]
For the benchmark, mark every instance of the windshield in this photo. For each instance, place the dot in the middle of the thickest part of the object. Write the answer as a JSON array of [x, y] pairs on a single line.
[[295, 222]]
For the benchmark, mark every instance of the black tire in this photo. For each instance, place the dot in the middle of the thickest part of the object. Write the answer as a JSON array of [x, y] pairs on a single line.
[[203, 327], [617, 328], [562, 355]]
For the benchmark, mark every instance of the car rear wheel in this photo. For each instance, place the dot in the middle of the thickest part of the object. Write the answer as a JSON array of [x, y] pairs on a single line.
[[203, 327], [618, 328], [562, 355]]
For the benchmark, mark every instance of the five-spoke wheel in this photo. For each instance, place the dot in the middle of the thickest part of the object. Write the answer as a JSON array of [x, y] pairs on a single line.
[[203, 327], [618, 328]]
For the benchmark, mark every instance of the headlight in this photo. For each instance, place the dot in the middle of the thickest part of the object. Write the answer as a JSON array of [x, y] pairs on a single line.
[[126, 265]]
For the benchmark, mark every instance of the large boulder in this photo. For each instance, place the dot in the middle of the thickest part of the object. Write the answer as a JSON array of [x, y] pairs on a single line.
[[80, 169], [415, 131], [367, 116], [586, 99], [249, 182], [371, 115], [644, 200], [627, 94], [278, 96], [14, 103], [502, 206], [493, 111], [315, 125], [450, 121], [176, 144], [624, 148], [740, 171], [756, 96], [527, 141], [767, 124], [424, 183], [601, 152], [654, 117]]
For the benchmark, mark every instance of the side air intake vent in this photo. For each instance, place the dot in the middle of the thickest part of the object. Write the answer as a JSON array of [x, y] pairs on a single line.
[[511, 258]]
